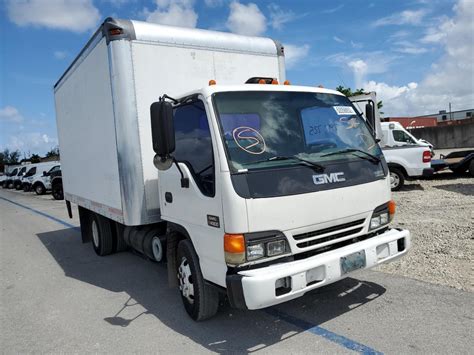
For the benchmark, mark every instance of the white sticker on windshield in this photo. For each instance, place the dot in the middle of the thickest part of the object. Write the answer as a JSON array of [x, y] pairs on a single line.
[[344, 110]]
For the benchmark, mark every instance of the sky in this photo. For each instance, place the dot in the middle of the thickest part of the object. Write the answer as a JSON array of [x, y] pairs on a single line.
[[417, 55]]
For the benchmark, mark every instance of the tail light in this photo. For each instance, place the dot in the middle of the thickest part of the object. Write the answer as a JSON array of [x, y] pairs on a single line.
[[426, 156]]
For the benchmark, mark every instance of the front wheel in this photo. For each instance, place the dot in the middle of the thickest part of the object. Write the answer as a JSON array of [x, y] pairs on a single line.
[[397, 179], [39, 189], [200, 300]]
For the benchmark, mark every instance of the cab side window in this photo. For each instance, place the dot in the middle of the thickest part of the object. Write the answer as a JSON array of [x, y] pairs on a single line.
[[401, 136], [194, 144]]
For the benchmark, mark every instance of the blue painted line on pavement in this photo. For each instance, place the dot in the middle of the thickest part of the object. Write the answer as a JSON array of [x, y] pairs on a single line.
[[299, 323], [327, 334], [55, 219]]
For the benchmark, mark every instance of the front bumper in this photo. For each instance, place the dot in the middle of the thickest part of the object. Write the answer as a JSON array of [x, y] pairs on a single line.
[[254, 289]]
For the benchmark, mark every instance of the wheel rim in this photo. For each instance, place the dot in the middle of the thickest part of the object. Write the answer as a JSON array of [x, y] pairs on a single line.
[[38, 189], [95, 234], [394, 180], [157, 248], [186, 280]]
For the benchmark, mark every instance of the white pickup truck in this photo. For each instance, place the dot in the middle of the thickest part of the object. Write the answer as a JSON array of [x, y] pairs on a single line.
[[407, 158]]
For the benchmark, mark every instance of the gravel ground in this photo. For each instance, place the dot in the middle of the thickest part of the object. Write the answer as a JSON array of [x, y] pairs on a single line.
[[439, 213]]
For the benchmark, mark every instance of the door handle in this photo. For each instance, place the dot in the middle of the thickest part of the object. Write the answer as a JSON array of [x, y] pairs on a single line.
[[168, 197]]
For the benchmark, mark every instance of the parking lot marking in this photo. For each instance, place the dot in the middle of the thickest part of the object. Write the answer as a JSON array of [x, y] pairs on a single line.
[[57, 220], [297, 322], [327, 334]]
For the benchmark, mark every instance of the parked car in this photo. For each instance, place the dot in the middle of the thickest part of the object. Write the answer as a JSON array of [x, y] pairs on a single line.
[[16, 181], [40, 182], [25, 185]]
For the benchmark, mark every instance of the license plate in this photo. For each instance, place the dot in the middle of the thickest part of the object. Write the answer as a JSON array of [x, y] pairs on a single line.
[[353, 262]]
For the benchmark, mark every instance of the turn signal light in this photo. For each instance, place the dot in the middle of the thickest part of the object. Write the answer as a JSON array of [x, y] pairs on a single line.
[[391, 208], [234, 249]]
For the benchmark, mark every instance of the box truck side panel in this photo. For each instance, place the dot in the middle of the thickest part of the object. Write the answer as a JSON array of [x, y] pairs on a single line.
[[154, 75], [86, 131]]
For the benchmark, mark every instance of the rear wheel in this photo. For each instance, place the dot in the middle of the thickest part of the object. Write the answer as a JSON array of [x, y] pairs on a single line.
[[471, 167], [200, 300], [102, 237], [397, 179], [39, 189]]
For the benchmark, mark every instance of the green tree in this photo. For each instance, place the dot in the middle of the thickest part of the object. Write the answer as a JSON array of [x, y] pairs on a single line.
[[54, 152], [10, 157], [35, 158]]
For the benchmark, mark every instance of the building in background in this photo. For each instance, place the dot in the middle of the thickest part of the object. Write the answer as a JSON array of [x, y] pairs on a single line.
[[442, 116], [414, 122]]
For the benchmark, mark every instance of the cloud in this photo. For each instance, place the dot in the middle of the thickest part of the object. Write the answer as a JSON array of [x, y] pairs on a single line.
[[408, 47], [333, 9], [10, 114], [407, 17], [71, 15], [337, 39], [174, 13], [295, 54], [279, 17], [361, 64], [214, 3], [246, 19], [450, 79], [60, 54], [35, 142]]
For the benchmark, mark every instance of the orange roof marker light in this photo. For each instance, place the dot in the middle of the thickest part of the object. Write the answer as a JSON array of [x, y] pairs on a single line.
[[262, 81], [274, 82], [286, 82], [212, 82]]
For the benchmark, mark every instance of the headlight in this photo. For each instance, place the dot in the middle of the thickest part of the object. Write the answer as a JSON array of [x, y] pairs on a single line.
[[242, 248], [382, 215]]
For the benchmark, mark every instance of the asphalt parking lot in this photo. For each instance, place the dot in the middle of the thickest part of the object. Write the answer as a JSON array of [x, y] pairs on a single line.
[[57, 295]]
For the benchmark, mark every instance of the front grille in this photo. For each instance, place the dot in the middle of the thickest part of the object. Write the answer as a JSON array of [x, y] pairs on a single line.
[[334, 234]]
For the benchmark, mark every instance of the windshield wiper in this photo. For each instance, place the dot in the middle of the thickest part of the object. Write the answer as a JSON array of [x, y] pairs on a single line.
[[374, 159], [313, 165]]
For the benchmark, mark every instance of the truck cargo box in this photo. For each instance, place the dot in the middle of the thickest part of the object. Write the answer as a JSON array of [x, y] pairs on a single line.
[[103, 105]]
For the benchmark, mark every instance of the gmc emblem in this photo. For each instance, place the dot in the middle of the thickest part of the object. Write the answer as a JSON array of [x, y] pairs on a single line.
[[328, 178]]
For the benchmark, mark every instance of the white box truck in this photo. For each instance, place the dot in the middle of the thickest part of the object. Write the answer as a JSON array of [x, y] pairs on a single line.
[[407, 158], [186, 143]]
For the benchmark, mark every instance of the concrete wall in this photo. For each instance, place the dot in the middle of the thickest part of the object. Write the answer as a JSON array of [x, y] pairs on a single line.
[[454, 136]]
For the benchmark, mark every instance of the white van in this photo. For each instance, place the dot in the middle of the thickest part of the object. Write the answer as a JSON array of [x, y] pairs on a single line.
[[39, 182]]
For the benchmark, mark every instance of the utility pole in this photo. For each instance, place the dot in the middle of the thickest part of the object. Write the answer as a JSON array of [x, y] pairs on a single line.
[[450, 114]]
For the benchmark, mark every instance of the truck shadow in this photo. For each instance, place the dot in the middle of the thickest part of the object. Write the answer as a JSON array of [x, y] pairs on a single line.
[[231, 330]]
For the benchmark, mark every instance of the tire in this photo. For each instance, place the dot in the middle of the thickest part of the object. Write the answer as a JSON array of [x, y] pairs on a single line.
[[397, 179], [154, 246], [18, 187], [200, 300], [471, 167], [26, 188], [57, 191], [102, 237], [39, 189]]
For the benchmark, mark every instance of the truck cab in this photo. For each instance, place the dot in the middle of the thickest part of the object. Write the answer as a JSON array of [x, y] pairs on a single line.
[[290, 176]]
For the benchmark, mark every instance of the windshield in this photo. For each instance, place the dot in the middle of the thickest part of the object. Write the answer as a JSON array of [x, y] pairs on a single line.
[[261, 127]]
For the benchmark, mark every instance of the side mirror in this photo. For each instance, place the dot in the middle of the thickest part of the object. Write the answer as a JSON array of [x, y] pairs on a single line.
[[45, 173], [370, 115], [162, 133]]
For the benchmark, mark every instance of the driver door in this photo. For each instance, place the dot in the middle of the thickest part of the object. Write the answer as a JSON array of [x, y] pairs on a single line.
[[197, 208]]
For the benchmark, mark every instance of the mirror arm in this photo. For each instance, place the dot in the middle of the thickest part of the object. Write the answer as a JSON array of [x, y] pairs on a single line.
[[184, 181]]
